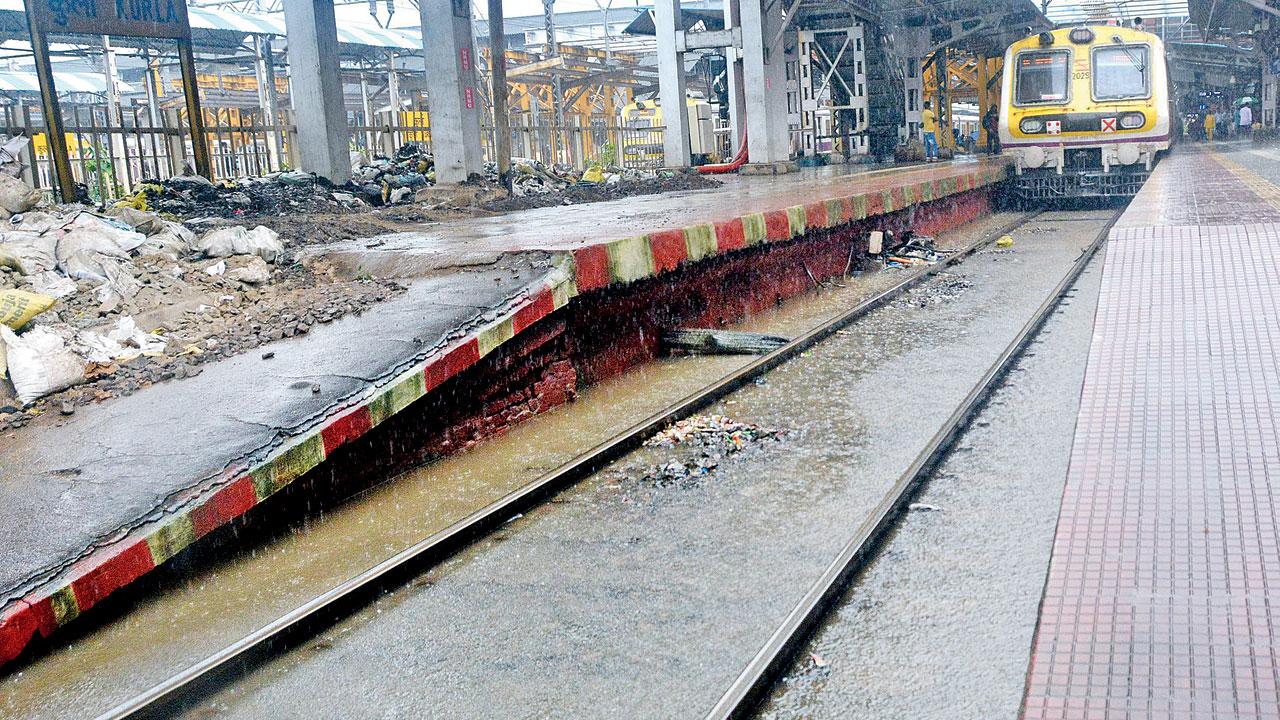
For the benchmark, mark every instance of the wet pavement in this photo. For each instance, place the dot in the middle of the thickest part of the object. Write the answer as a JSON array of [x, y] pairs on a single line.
[[939, 626], [202, 608], [630, 598]]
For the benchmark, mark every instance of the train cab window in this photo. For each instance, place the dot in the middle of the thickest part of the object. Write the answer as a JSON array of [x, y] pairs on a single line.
[[1042, 77], [1120, 71]]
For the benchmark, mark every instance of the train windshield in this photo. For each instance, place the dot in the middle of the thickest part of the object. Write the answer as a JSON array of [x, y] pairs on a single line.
[[1120, 72], [1042, 77]]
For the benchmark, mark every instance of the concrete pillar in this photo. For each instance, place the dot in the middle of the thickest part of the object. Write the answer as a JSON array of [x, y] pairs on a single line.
[[671, 85], [316, 88], [453, 103], [765, 84]]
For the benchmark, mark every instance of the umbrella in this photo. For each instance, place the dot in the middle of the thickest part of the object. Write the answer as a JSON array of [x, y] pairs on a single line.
[[1245, 101]]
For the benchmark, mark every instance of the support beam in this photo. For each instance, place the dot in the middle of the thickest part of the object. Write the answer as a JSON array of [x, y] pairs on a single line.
[[671, 85], [316, 88], [765, 84], [453, 104]]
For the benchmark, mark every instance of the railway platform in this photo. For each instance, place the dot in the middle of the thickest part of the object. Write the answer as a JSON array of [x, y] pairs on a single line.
[[173, 463], [1157, 601]]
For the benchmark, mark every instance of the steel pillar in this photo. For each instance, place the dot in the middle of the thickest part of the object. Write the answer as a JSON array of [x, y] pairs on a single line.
[[316, 88], [671, 85], [734, 78], [453, 102], [764, 83]]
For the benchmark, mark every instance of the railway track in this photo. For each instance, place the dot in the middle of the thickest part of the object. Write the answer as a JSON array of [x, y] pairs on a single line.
[[753, 685], [186, 688]]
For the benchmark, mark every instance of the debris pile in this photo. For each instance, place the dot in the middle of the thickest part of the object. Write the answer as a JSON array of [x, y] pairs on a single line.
[[913, 250], [715, 431], [713, 436], [107, 303]]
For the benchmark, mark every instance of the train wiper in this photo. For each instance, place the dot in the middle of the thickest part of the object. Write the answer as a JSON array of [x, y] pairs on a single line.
[[1137, 64]]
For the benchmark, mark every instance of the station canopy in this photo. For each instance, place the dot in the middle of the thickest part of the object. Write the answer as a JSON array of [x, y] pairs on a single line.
[[985, 27], [214, 29]]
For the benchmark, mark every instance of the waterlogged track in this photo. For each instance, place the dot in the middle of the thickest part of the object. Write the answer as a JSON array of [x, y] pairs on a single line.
[[583, 606], [206, 603]]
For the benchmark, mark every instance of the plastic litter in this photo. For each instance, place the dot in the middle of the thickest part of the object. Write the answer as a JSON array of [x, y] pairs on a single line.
[[1004, 241], [19, 307]]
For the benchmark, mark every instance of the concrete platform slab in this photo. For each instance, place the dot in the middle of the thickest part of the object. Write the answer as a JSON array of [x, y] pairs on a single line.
[[90, 504], [1159, 596]]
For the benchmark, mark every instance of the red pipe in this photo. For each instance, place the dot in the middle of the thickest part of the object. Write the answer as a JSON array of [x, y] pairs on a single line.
[[738, 161]]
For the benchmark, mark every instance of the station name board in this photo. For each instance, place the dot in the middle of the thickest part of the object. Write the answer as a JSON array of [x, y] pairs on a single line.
[[130, 18]]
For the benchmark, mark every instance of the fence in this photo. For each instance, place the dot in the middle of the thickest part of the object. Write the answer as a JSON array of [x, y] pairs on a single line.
[[111, 154]]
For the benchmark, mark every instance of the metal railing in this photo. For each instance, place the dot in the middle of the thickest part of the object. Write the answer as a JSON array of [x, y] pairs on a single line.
[[112, 154]]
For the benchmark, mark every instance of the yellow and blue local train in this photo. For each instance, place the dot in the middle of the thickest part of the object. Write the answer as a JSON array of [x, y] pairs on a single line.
[[1085, 111]]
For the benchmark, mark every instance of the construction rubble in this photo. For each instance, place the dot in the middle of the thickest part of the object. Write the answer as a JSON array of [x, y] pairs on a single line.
[[96, 303], [99, 304]]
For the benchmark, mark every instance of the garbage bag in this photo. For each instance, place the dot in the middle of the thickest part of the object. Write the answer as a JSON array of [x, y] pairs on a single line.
[[39, 363], [225, 242], [139, 220], [593, 175], [111, 230], [18, 307], [36, 222], [27, 252], [80, 253], [174, 241], [10, 155], [16, 196]]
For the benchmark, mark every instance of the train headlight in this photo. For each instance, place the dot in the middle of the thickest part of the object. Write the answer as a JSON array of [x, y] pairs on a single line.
[[1081, 35], [1031, 126], [1132, 121]]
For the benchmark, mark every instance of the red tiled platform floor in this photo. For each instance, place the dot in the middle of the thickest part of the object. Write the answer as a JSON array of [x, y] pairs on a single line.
[[1166, 563]]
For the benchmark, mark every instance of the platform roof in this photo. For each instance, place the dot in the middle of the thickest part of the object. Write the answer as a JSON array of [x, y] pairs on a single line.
[[215, 29]]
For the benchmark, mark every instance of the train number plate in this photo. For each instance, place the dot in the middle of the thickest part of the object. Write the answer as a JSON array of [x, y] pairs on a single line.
[[1053, 127]]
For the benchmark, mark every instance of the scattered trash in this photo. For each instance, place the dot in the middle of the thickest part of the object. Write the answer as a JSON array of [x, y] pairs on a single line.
[[1004, 241], [818, 661], [216, 269], [923, 507], [713, 430]]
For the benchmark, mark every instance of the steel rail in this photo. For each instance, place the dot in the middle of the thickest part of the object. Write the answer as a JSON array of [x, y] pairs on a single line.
[[752, 686], [181, 690]]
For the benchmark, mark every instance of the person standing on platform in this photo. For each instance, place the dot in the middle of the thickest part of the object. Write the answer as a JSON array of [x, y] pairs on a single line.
[[1245, 127], [1210, 123], [991, 123], [929, 124]]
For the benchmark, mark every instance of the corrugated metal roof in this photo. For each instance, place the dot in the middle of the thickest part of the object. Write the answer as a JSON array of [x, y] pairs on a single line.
[[228, 21], [68, 82]]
